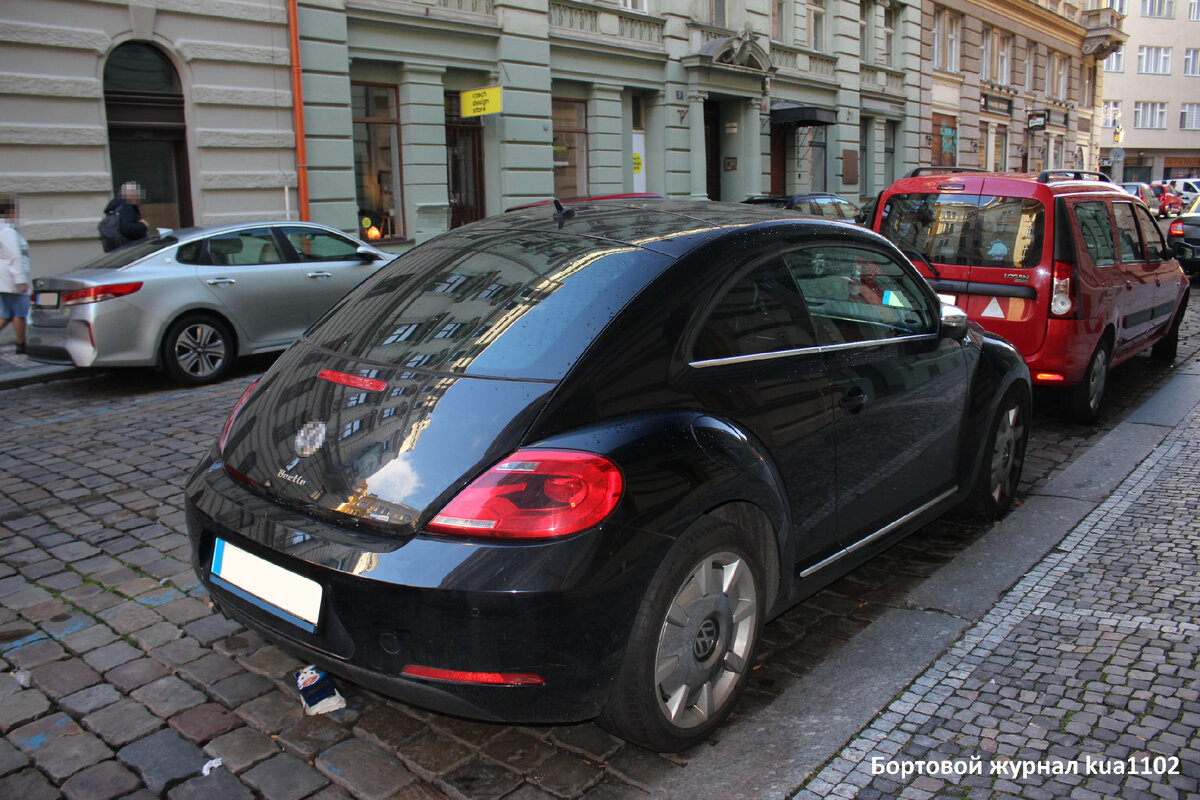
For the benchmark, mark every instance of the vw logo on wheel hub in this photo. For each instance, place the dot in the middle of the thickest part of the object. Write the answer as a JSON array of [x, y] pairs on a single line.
[[309, 439], [706, 639]]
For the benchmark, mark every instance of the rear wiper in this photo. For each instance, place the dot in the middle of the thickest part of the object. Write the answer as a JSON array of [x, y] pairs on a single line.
[[924, 260]]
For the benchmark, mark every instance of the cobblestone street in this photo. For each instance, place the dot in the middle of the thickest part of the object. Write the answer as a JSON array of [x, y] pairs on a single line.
[[117, 678]]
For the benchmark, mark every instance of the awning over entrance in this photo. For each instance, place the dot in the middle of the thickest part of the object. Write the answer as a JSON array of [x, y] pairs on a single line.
[[784, 112]]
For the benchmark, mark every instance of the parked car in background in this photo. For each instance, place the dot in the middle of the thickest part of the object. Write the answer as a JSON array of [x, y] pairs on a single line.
[[1168, 201], [818, 204], [1187, 188], [1186, 230], [545, 467], [192, 300], [1063, 264]]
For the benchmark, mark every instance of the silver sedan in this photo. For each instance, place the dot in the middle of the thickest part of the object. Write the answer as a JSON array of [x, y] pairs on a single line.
[[189, 301]]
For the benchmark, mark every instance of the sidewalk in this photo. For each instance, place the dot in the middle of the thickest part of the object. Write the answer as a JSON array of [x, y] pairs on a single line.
[[17, 370], [1080, 681]]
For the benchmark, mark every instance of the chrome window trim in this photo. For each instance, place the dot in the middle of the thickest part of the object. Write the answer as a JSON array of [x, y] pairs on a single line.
[[823, 348], [866, 540]]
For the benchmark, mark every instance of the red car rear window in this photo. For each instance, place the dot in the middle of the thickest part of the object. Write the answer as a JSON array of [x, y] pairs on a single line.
[[965, 229]]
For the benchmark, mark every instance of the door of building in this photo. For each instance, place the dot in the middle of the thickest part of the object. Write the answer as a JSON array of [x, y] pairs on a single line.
[[464, 164]]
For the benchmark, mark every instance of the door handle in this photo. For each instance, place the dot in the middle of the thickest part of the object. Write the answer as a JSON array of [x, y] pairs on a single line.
[[853, 400], [320, 275], [221, 282]]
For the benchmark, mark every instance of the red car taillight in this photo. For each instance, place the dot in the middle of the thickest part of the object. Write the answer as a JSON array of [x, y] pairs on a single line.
[[94, 294], [237, 409], [534, 494], [1061, 302], [1176, 228]]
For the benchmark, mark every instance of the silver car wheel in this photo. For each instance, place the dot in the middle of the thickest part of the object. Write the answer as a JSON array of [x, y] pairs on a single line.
[[200, 350], [706, 640]]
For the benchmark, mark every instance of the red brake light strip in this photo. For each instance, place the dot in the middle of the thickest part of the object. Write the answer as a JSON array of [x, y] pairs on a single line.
[[356, 381]]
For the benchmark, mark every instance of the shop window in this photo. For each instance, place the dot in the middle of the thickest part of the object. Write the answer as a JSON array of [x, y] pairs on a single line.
[[377, 169]]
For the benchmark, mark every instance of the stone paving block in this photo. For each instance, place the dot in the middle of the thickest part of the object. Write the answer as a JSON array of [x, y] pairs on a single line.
[[271, 713], [90, 699], [518, 751], [162, 759], [122, 722], [270, 662], [9, 685], [39, 652], [63, 625], [311, 735], [587, 739], [131, 675], [88, 639], [22, 707], [11, 759], [180, 651], [209, 629], [283, 777], [433, 755], [128, 617], [91, 598], [363, 770], [61, 678], [102, 659], [236, 690], [39, 571], [58, 746], [168, 696], [28, 784], [181, 612], [481, 779], [29, 596], [156, 635], [389, 728], [203, 722], [565, 774], [238, 644], [242, 748], [61, 581], [209, 669], [104, 781], [219, 784]]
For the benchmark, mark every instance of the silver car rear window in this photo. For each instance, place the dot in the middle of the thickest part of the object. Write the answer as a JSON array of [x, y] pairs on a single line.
[[124, 256]]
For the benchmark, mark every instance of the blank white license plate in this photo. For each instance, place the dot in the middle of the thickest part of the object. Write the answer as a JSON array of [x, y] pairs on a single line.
[[293, 597], [46, 299]]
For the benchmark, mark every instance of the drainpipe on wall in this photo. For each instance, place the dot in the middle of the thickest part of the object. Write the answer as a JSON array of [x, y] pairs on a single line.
[[298, 110]]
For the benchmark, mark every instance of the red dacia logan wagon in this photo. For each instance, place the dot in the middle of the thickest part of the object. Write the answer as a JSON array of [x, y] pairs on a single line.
[[1065, 265]]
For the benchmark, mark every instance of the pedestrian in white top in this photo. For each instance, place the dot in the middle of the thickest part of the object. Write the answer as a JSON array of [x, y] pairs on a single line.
[[14, 272]]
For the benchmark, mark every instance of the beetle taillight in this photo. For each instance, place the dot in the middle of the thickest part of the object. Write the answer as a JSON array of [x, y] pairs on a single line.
[[534, 494]]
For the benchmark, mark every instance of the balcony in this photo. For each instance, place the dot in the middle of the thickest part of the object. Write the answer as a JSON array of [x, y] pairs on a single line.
[[1104, 35]]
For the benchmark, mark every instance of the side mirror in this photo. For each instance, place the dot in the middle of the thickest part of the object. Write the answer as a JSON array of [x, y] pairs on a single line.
[[368, 255], [1183, 251], [954, 322]]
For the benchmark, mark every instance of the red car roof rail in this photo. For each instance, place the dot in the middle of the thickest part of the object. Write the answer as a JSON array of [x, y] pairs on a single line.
[[1072, 175], [942, 170]]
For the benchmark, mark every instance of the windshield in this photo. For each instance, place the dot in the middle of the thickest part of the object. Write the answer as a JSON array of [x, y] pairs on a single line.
[[124, 256], [967, 230]]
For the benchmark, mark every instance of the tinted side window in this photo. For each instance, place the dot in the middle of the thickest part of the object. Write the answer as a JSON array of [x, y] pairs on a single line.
[[854, 294], [1096, 229], [313, 245], [760, 313], [1128, 236], [243, 248], [189, 253]]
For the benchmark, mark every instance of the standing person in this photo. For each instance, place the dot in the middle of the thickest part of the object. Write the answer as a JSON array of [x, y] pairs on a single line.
[[14, 272], [123, 223]]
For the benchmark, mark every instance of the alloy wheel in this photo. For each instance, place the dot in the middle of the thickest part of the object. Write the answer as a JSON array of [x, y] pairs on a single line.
[[200, 350]]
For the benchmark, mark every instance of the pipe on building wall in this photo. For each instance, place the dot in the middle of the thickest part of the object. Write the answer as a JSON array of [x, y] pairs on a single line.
[[298, 110]]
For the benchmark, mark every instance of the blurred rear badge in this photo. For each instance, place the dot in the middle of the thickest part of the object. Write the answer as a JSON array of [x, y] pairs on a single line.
[[309, 439]]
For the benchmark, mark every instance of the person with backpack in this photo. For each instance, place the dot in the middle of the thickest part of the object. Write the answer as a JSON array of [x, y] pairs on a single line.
[[122, 223]]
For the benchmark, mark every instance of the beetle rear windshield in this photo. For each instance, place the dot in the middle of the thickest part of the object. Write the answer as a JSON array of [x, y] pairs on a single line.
[[489, 303], [969, 230]]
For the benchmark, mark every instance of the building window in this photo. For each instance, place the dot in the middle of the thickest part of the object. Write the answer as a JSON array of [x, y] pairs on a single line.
[[1118, 6], [947, 33], [1189, 117], [1148, 114], [377, 160], [716, 13], [1163, 9], [1000, 159], [1110, 114], [1154, 60], [570, 148], [890, 18], [1030, 66], [864, 33], [1191, 62], [1115, 62], [816, 25], [987, 55], [1004, 58], [634, 5], [779, 20], [1194, 10]]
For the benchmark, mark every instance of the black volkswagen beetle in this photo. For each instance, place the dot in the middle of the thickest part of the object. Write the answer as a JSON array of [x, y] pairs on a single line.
[[564, 464]]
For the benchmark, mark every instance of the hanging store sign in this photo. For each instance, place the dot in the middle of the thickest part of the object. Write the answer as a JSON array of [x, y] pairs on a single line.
[[477, 102]]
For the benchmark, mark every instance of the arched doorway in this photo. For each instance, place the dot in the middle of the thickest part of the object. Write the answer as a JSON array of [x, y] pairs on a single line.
[[147, 134]]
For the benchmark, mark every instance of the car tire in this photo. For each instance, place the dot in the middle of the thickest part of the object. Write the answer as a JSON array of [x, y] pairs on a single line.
[[693, 642], [1002, 457], [1083, 401], [1167, 348], [197, 349]]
